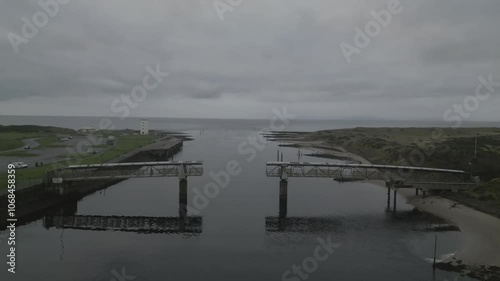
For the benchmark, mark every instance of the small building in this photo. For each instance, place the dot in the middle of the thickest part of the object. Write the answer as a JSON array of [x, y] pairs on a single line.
[[87, 130], [144, 127]]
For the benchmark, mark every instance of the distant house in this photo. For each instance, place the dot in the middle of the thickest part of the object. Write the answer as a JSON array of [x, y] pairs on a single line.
[[87, 130], [144, 127]]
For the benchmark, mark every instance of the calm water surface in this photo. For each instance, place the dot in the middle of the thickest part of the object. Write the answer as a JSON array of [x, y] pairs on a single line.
[[241, 237]]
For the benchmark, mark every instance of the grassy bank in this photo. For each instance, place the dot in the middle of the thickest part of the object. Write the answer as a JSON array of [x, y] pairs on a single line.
[[445, 148], [428, 147], [20, 153], [124, 144], [11, 136], [14, 140]]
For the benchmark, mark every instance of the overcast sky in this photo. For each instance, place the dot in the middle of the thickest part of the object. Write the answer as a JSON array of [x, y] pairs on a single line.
[[263, 54]]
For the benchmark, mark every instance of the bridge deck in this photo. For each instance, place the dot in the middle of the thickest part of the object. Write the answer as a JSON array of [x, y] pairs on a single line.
[[402, 175], [181, 169]]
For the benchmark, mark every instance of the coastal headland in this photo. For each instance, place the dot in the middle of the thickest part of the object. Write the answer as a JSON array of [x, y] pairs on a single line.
[[476, 150]]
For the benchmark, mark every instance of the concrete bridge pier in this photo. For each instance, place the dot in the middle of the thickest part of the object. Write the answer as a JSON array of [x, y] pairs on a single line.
[[183, 196], [283, 198], [395, 199], [388, 199], [390, 186]]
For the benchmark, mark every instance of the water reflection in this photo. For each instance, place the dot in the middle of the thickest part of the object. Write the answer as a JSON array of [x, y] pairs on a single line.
[[413, 220], [303, 224], [147, 225], [66, 218]]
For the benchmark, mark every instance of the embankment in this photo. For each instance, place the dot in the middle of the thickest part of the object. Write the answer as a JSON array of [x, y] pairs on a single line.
[[33, 202]]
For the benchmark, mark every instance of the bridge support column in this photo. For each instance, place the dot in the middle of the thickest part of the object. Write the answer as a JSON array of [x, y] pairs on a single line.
[[395, 199], [283, 198], [416, 191], [183, 196], [388, 198]]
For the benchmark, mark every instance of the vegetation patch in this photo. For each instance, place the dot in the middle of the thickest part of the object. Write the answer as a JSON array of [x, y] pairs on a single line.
[[124, 145], [20, 153], [11, 136]]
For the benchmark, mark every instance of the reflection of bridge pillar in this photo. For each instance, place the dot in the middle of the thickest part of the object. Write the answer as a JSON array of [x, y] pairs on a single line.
[[183, 196], [283, 197], [68, 209]]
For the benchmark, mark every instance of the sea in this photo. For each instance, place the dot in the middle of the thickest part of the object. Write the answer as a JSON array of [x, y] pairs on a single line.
[[133, 230]]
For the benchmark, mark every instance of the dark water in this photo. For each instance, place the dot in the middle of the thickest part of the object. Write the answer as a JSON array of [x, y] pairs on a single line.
[[241, 237]]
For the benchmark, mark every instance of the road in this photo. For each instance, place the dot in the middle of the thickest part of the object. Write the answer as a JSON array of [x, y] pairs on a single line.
[[46, 155]]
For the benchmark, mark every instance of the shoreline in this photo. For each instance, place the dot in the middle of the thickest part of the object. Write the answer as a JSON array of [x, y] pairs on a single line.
[[481, 230], [35, 200]]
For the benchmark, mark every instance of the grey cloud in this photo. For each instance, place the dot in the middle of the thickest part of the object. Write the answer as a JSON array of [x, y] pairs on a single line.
[[264, 52]]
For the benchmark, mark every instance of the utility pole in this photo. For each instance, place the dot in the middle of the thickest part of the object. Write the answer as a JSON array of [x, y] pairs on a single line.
[[435, 250], [475, 148]]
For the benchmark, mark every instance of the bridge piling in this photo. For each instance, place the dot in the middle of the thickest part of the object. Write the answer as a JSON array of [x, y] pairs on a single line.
[[395, 199], [283, 198], [183, 196], [388, 198]]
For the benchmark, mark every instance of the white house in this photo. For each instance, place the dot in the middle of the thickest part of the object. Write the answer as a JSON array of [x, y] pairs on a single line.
[[87, 130], [144, 127]]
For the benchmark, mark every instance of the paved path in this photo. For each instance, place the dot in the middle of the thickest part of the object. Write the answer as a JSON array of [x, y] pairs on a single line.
[[26, 142], [46, 155], [32, 143]]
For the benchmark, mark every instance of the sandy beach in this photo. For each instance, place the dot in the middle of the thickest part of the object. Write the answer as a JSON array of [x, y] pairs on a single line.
[[482, 231]]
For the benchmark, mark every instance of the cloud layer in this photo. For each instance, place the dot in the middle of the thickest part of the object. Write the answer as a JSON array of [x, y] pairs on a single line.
[[264, 54]]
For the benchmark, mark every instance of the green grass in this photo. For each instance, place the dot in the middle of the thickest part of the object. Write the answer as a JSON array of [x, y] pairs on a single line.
[[444, 147], [489, 191], [11, 136], [124, 144], [13, 140], [47, 141], [26, 174], [20, 153]]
